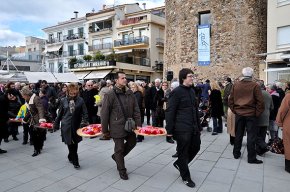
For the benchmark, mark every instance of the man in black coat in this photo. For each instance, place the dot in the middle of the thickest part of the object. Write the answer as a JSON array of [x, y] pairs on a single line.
[[88, 96], [3, 118], [182, 122], [155, 97]]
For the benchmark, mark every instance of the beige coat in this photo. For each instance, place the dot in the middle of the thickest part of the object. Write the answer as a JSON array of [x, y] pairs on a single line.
[[283, 120], [231, 123]]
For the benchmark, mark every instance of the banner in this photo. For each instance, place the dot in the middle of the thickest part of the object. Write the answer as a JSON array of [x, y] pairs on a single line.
[[203, 45]]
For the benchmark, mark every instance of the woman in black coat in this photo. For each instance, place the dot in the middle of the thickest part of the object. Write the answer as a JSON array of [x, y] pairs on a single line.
[[216, 106], [72, 113], [13, 108]]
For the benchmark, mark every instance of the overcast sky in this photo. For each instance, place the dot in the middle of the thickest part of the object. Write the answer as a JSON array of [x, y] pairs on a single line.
[[21, 18]]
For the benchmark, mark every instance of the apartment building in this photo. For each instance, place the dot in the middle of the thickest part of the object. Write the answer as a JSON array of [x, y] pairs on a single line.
[[277, 66], [129, 34], [65, 41]]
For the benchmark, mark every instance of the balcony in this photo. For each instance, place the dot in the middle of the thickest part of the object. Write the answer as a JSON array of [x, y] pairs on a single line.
[[100, 47], [132, 42], [91, 64], [159, 42], [73, 53], [54, 40], [134, 60], [134, 20], [72, 37]]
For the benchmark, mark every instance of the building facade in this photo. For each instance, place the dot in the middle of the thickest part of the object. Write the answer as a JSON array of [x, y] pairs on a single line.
[[216, 38], [277, 66], [65, 41]]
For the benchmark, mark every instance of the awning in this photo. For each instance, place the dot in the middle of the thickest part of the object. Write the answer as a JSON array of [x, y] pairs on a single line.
[[66, 77], [124, 51], [98, 74], [52, 48], [102, 18], [277, 69], [273, 53], [34, 77], [81, 74]]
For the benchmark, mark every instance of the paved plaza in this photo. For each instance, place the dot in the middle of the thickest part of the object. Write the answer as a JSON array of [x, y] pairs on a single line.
[[149, 167]]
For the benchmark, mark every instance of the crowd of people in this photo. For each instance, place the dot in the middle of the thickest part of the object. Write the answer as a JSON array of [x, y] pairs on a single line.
[[248, 106]]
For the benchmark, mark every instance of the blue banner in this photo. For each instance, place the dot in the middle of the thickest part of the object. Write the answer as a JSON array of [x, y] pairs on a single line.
[[203, 45]]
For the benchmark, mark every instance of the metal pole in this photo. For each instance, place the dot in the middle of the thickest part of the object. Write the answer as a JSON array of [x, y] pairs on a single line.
[[266, 72]]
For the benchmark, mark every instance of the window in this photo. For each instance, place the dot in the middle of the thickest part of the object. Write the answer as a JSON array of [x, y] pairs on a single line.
[[108, 24], [81, 32], [70, 32], [29, 57], [50, 37], [70, 50], [142, 32], [283, 36], [107, 43], [98, 26], [59, 36], [51, 67], [282, 2], [81, 49], [204, 18]]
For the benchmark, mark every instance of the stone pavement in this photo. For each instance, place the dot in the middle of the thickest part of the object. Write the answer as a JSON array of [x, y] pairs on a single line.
[[149, 166]]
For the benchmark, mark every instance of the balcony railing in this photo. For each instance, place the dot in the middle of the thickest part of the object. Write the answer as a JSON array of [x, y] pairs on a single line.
[[73, 36], [91, 64], [100, 47], [131, 41], [134, 60], [133, 20], [73, 53], [54, 40], [159, 42]]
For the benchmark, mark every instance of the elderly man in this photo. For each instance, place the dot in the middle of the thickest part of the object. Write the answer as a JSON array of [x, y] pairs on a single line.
[[88, 96], [119, 105], [155, 98], [247, 103]]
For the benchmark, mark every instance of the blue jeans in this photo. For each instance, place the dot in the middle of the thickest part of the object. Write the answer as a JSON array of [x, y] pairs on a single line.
[[217, 124]]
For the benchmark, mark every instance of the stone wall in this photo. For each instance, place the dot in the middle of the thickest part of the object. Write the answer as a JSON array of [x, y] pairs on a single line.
[[238, 33]]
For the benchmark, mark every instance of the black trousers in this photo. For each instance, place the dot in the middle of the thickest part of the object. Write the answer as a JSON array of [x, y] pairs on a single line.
[[217, 124], [26, 131], [287, 165], [38, 136], [261, 145], [122, 148], [73, 153], [188, 146], [148, 115], [13, 129], [243, 122]]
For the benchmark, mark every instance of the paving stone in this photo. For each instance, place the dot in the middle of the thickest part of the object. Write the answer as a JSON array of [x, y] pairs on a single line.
[[148, 169], [231, 164], [130, 185], [241, 185], [209, 156], [220, 175], [276, 184], [8, 184], [210, 186], [202, 165], [216, 148]]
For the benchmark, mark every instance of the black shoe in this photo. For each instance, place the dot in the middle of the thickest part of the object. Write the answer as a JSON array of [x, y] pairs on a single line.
[[31, 142], [105, 138], [24, 143], [189, 183], [176, 166], [256, 161], [175, 155], [139, 140], [113, 157], [35, 153], [77, 166], [237, 156], [214, 133], [169, 140], [123, 175], [6, 140], [2, 151]]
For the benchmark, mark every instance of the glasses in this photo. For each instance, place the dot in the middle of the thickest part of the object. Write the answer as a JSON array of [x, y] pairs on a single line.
[[90, 85]]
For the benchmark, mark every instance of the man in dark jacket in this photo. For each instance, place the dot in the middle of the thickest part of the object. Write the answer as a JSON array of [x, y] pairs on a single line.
[[183, 123], [113, 116], [227, 92], [247, 103], [88, 97], [3, 119]]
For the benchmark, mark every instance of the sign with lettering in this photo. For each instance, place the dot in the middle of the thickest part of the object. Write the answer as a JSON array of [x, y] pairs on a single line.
[[203, 45]]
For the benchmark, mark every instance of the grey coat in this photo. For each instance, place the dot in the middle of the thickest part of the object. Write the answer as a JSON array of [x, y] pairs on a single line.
[[71, 122], [112, 115], [263, 119]]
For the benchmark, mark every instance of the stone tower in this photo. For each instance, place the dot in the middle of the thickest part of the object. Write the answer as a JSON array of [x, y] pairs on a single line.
[[238, 31]]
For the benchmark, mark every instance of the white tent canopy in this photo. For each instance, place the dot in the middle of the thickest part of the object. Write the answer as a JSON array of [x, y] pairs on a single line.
[[34, 77], [66, 77], [81, 74]]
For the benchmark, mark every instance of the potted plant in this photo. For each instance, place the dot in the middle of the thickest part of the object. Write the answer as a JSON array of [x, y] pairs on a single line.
[[99, 56], [87, 58], [111, 58], [72, 61]]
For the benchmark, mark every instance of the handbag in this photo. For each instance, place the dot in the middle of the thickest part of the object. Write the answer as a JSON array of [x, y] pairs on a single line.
[[277, 146], [130, 124]]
